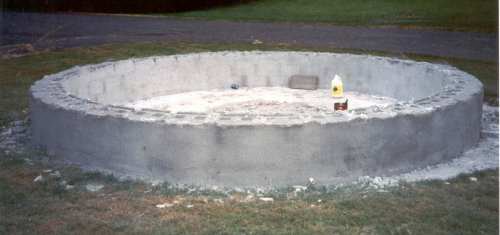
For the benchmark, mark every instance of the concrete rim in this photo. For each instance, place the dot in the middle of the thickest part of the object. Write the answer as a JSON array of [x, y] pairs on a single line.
[[50, 86]]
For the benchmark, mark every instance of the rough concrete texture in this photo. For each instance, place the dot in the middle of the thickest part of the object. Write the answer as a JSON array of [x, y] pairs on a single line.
[[303, 82], [76, 114], [259, 102]]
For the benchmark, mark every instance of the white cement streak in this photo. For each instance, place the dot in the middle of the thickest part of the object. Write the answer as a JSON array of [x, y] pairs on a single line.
[[260, 100]]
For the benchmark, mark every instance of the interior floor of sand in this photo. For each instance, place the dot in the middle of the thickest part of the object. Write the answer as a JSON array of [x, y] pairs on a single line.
[[260, 100]]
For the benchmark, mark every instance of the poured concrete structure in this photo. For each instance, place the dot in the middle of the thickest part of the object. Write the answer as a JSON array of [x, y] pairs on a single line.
[[78, 114]]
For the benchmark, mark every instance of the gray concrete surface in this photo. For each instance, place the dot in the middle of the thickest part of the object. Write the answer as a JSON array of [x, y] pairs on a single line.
[[76, 114], [305, 82], [49, 31]]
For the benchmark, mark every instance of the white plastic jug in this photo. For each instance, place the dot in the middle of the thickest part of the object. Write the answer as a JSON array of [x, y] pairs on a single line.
[[337, 87]]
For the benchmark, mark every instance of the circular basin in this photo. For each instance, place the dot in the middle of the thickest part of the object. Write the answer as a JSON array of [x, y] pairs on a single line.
[[179, 118]]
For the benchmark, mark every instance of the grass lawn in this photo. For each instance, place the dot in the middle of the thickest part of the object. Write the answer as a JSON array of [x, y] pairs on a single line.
[[469, 15], [459, 206]]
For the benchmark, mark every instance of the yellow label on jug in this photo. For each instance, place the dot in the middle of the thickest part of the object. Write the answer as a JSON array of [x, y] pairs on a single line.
[[337, 87]]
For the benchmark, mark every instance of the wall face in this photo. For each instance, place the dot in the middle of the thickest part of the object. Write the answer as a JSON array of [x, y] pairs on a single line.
[[129, 80], [442, 121]]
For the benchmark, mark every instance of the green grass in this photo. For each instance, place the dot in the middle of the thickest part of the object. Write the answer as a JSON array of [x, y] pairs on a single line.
[[459, 206], [470, 15], [17, 74]]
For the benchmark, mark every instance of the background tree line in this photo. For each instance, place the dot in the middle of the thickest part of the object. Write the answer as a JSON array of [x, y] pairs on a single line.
[[116, 6]]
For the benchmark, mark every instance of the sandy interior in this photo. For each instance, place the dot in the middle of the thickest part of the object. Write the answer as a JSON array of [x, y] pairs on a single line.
[[260, 100]]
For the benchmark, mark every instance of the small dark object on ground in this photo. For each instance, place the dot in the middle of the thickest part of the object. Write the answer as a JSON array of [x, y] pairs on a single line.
[[235, 86], [340, 105]]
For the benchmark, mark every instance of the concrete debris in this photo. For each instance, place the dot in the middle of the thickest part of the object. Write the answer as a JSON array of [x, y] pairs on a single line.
[[164, 205], [94, 187], [377, 182], [189, 206], [299, 188], [204, 199], [38, 178], [47, 171], [65, 184], [218, 200], [239, 190], [7, 132], [28, 161], [257, 42], [55, 174], [248, 198], [13, 137], [311, 180], [266, 199], [473, 179]]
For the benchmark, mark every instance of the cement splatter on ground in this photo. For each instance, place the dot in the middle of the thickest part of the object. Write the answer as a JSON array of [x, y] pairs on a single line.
[[15, 137]]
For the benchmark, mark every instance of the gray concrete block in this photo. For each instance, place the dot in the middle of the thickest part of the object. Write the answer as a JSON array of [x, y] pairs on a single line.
[[303, 82]]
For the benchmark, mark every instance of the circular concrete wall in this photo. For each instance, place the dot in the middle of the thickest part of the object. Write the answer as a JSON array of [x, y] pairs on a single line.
[[79, 115]]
